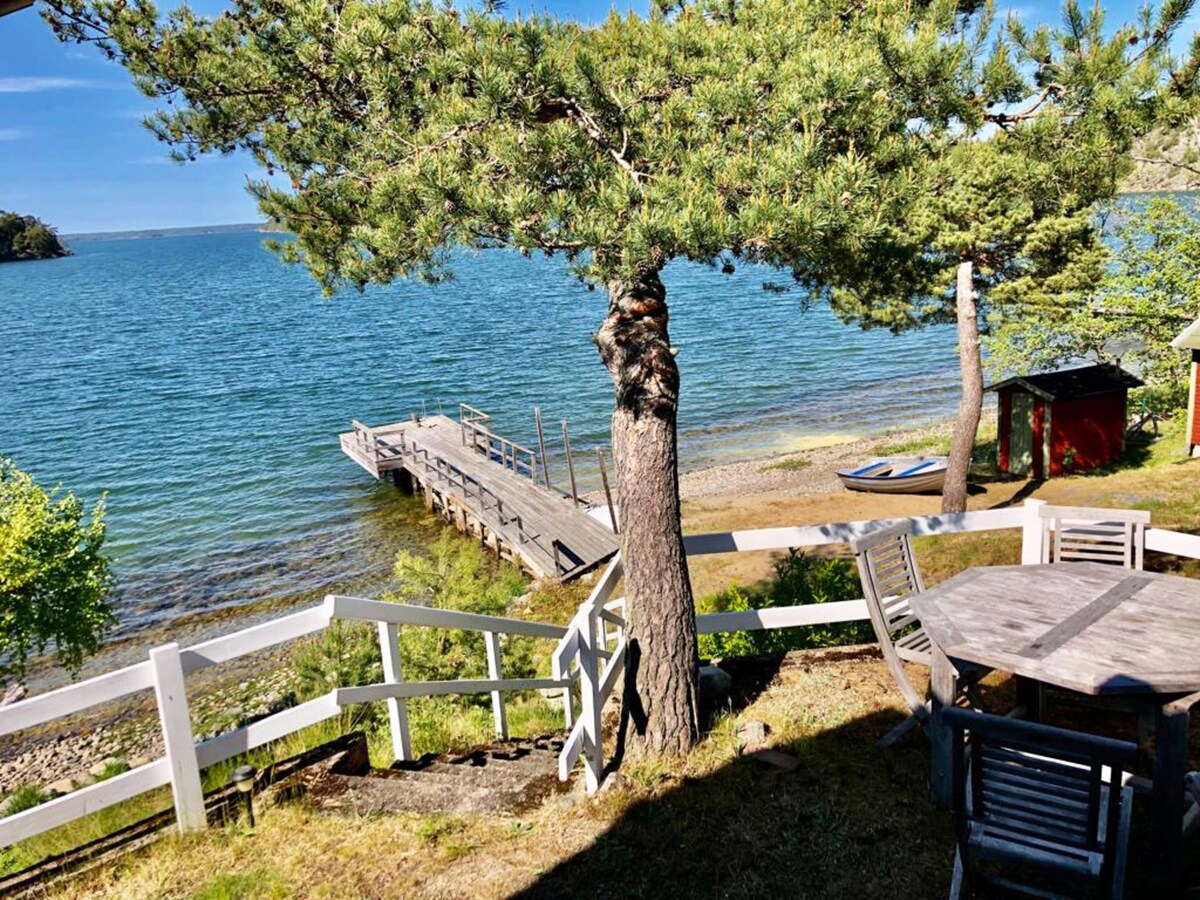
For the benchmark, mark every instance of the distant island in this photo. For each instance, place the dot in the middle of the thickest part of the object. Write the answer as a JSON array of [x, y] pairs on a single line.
[[26, 237], [147, 233]]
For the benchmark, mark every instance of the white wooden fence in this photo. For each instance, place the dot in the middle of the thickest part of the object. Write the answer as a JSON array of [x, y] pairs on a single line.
[[184, 759], [590, 653], [594, 647]]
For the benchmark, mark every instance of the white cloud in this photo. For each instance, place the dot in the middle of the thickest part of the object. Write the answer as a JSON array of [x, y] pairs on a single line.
[[31, 84], [12, 134]]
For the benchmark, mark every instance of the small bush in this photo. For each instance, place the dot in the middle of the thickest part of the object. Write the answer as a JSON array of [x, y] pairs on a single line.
[[456, 575], [25, 797], [799, 580]]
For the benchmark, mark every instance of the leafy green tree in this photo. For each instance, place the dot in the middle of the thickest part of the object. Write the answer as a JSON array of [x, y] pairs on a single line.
[[1149, 291], [786, 132], [1003, 219], [24, 237], [55, 579]]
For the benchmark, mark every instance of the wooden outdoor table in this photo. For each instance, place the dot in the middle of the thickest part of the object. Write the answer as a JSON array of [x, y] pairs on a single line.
[[1087, 627]]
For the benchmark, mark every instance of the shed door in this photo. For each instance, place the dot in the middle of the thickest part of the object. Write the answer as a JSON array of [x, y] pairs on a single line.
[[1020, 442]]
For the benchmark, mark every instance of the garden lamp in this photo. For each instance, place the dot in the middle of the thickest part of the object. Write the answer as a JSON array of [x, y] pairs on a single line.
[[243, 780]]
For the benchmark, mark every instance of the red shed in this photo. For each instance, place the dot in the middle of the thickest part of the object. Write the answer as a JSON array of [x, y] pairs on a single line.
[[1190, 340], [1081, 410]]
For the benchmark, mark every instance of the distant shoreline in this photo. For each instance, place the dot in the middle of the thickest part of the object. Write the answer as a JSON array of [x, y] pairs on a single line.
[[142, 234]]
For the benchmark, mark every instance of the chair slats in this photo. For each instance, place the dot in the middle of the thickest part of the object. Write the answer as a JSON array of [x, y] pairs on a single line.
[[890, 576], [1031, 798], [1077, 534]]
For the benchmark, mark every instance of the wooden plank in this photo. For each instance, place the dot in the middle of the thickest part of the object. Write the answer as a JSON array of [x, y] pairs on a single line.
[[782, 617], [1085, 617], [360, 609], [281, 724], [843, 532], [499, 719], [74, 698], [372, 692], [255, 638], [389, 644], [175, 718]]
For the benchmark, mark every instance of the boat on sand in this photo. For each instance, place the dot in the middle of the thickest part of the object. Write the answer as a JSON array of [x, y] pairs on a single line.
[[897, 475]]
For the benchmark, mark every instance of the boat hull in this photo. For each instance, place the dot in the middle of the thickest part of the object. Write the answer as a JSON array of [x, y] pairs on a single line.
[[920, 475]]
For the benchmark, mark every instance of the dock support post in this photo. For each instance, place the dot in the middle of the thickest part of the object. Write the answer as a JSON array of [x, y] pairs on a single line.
[[402, 478], [612, 512], [570, 463], [537, 419]]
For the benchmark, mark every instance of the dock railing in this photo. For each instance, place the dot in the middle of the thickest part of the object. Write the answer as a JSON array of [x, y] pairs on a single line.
[[589, 658]]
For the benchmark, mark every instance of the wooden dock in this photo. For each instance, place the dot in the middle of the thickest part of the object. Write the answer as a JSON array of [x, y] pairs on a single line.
[[486, 486]]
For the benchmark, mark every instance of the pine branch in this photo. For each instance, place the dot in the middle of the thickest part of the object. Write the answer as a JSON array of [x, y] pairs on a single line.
[[568, 107], [1187, 167], [1003, 119]]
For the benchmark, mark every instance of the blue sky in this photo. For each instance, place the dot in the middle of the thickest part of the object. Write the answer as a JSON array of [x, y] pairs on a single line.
[[73, 151]]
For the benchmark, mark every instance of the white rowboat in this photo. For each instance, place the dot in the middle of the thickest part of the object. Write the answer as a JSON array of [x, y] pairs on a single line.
[[897, 475]]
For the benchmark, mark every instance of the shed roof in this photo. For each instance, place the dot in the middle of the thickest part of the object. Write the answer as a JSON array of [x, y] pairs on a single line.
[[1189, 339], [1088, 381]]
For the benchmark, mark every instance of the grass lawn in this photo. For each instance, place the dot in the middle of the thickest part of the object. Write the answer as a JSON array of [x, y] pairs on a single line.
[[853, 820]]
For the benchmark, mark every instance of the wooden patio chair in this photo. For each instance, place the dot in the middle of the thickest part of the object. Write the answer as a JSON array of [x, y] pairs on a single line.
[[1080, 534], [1033, 811], [889, 577]]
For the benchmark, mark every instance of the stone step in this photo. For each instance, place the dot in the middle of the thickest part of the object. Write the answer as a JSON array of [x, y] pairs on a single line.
[[469, 777], [529, 761], [365, 795], [501, 778]]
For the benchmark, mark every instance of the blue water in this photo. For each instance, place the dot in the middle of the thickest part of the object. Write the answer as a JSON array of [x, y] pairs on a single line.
[[202, 383]]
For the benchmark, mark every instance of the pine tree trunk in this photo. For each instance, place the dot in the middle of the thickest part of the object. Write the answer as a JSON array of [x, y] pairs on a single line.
[[970, 404], [661, 669]]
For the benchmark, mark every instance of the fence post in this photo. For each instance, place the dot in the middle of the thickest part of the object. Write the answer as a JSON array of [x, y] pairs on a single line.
[[389, 646], [178, 742], [589, 701], [1031, 532], [492, 639]]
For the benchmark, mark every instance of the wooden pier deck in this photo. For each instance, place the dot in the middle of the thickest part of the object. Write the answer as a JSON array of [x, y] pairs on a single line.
[[486, 486]]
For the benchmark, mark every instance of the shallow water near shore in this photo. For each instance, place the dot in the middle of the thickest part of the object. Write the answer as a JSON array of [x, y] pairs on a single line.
[[202, 383]]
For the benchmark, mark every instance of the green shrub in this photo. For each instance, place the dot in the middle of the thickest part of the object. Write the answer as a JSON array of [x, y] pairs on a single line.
[[25, 797], [457, 575], [345, 655], [799, 580]]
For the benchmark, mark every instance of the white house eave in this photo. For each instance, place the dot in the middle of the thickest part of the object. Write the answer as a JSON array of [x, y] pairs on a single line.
[[1189, 339]]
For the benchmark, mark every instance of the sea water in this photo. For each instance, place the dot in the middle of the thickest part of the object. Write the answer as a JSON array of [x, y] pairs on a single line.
[[202, 383]]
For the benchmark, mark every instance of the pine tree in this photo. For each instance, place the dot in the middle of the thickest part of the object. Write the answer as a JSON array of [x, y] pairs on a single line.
[[1005, 217], [788, 132]]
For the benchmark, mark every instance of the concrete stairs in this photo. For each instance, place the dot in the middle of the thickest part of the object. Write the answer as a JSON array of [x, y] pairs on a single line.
[[503, 778]]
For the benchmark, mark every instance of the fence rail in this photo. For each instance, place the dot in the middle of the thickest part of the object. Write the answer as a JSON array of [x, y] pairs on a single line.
[[583, 649], [589, 659]]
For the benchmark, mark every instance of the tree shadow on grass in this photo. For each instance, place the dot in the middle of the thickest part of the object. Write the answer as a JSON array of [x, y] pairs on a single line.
[[852, 820]]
